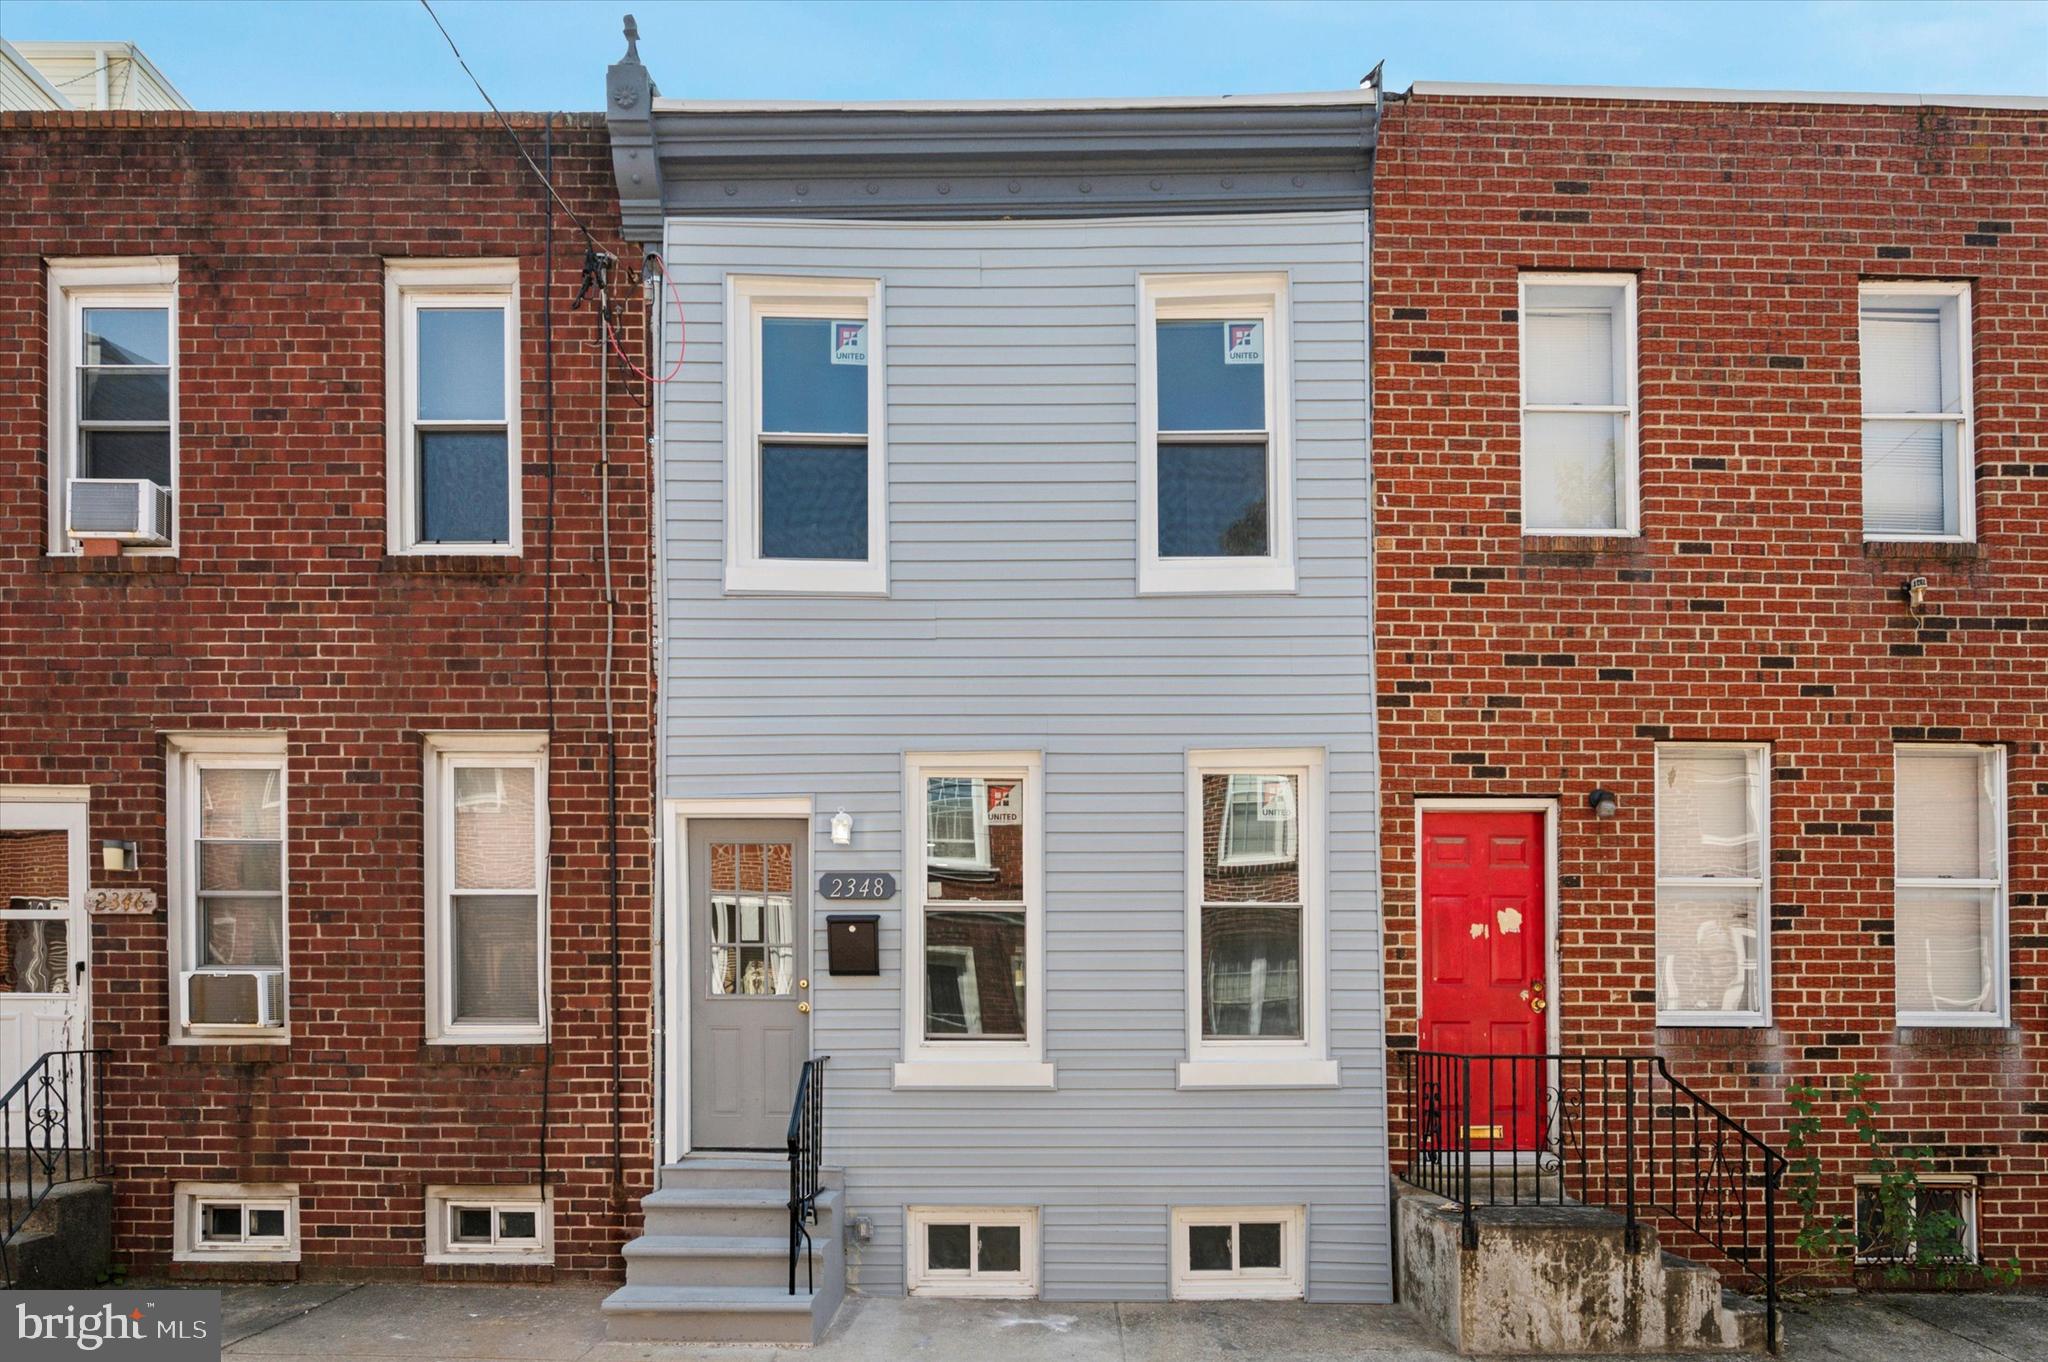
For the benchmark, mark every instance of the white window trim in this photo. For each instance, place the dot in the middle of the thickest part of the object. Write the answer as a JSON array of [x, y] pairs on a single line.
[[749, 299], [1304, 1063], [490, 282], [974, 1063], [443, 752], [114, 281], [1222, 297], [1759, 755], [187, 1197], [1627, 467], [921, 1280], [1289, 1283], [2000, 1013], [441, 1201], [186, 754], [1965, 1181], [1964, 486]]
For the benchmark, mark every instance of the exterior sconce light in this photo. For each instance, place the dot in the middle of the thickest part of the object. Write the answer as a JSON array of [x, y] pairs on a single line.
[[1603, 803], [117, 855], [1914, 592], [842, 829]]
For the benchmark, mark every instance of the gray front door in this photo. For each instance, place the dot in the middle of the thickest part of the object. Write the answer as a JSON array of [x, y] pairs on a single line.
[[750, 1029]]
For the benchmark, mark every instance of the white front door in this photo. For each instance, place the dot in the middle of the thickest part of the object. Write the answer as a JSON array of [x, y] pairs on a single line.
[[43, 937]]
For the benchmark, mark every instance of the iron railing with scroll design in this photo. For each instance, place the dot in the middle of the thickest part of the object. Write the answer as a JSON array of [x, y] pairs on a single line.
[[1616, 1131], [806, 1145], [52, 1129]]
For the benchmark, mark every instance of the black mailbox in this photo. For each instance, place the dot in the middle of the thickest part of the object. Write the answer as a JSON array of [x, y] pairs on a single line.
[[853, 943]]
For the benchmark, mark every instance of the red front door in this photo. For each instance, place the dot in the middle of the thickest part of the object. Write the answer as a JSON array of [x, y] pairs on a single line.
[[1483, 989]]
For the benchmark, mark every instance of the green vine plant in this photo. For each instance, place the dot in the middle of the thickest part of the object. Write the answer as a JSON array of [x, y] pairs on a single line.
[[1910, 1232]]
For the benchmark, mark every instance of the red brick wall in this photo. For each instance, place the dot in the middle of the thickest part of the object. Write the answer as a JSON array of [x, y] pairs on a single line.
[[283, 611], [1750, 608]]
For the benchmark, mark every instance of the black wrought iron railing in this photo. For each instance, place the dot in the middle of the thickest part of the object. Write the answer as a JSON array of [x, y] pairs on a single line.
[[806, 1145], [52, 1131], [1616, 1131]]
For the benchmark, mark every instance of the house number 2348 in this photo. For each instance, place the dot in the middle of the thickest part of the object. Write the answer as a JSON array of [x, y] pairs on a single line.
[[876, 886]]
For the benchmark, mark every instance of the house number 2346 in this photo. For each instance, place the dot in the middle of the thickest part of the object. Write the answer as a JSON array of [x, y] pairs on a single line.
[[857, 886]]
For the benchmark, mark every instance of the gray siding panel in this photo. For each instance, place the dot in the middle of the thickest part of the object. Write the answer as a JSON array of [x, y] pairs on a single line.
[[1013, 623]]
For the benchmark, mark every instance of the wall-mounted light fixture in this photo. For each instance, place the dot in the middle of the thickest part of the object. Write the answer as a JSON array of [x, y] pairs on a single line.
[[842, 829], [1914, 592], [1603, 803], [117, 855]]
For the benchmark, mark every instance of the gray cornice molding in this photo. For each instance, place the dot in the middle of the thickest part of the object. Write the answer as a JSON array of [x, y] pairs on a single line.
[[628, 107]]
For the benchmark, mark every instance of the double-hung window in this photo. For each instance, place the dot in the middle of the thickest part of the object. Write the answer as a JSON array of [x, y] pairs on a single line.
[[228, 882], [1918, 464], [1578, 404], [1949, 904], [806, 483], [113, 400], [1255, 921], [452, 399], [487, 887], [1713, 894], [974, 1001], [1215, 466]]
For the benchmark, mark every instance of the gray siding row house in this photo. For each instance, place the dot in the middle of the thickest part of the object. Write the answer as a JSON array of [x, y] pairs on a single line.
[[1017, 754]]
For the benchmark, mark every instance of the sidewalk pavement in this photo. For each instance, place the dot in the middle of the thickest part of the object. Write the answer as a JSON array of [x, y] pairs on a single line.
[[341, 1323]]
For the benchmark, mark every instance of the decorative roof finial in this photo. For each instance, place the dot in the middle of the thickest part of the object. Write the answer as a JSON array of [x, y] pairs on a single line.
[[632, 42]]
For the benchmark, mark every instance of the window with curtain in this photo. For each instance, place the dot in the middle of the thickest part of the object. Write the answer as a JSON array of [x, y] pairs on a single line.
[[1916, 411], [1949, 884], [234, 907], [1578, 404], [1712, 912], [488, 874]]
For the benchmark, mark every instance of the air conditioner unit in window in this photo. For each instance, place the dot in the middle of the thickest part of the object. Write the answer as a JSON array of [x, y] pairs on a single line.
[[234, 997], [132, 510]]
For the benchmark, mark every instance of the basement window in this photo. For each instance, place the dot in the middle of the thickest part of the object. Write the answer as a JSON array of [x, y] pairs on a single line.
[[1231, 1252], [987, 1251], [236, 1222], [1933, 1225], [485, 1224]]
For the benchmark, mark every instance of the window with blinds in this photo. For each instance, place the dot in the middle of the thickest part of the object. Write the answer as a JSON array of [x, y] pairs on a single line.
[[1712, 885], [1578, 404], [487, 873], [1948, 911], [1917, 460]]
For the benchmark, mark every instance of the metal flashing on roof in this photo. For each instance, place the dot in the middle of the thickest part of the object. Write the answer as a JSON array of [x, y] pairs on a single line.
[[992, 159], [1684, 95]]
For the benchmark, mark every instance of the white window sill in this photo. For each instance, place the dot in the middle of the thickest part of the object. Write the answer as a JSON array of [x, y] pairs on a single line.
[[234, 1035], [456, 551], [1736, 1020], [236, 1255], [528, 1037], [975, 1073], [456, 1257], [1979, 1021], [1259, 1073], [1236, 1289], [1215, 577], [1581, 534], [1870, 537], [978, 1289], [815, 577]]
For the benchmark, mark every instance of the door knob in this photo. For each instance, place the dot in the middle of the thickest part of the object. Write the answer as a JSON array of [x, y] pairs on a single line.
[[803, 983], [803, 1007]]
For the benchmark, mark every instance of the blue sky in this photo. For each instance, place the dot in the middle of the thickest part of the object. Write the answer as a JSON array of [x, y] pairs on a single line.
[[551, 54]]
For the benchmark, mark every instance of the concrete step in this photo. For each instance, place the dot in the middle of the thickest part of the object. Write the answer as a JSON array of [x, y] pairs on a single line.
[[712, 1260], [755, 1212], [713, 1314], [738, 1170], [67, 1243]]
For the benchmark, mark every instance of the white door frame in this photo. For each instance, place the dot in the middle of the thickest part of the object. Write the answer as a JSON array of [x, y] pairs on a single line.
[[672, 1078], [66, 808], [1479, 804]]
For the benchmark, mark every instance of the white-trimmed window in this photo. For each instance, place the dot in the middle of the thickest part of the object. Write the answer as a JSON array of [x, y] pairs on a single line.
[[1949, 890], [235, 1222], [486, 1224], [226, 797], [806, 468], [1934, 1225], [452, 405], [1578, 403], [974, 1004], [972, 1251], [1239, 1252], [1215, 458], [1713, 884], [1919, 464], [1255, 921], [113, 395], [487, 888]]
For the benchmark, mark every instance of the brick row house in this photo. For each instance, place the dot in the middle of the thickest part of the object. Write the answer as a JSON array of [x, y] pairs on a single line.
[[324, 601], [1711, 574]]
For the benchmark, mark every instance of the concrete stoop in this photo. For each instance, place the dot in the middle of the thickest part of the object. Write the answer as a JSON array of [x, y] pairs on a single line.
[[68, 1243], [712, 1262], [1561, 1279]]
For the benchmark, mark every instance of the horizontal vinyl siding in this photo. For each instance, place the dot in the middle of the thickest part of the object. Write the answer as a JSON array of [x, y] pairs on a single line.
[[1013, 623]]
